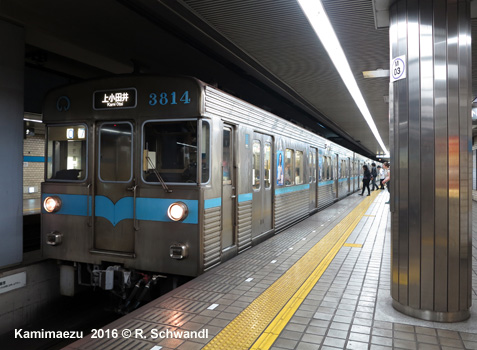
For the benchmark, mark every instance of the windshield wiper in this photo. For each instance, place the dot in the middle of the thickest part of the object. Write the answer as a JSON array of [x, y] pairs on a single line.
[[161, 180]]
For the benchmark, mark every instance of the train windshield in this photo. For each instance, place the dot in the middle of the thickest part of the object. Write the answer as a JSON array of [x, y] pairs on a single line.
[[171, 149], [66, 150]]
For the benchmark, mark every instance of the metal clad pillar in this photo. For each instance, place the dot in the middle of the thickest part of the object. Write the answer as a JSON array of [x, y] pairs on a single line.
[[431, 154], [414, 158], [11, 140]]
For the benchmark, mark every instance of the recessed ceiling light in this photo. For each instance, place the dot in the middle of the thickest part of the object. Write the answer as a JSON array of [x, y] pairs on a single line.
[[378, 73]]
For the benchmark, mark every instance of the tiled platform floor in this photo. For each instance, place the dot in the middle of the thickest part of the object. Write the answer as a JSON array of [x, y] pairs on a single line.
[[348, 308], [31, 206]]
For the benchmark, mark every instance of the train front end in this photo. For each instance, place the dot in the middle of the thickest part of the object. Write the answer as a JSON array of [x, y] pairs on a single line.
[[126, 163]]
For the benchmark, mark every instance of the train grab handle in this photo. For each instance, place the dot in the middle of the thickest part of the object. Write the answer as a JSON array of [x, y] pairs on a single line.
[[88, 205], [134, 189]]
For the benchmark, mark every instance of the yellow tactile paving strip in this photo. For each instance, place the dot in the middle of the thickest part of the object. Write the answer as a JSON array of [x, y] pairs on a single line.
[[267, 315], [353, 245]]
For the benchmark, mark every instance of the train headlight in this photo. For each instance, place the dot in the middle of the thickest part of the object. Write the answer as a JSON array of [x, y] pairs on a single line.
[[52, 204], [177, 211]]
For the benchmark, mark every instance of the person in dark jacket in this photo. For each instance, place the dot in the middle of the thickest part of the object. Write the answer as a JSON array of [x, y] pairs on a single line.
[[366, 179], [374, 176]]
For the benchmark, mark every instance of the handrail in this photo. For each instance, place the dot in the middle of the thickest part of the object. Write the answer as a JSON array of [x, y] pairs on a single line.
[[134, 189], [87, 205]]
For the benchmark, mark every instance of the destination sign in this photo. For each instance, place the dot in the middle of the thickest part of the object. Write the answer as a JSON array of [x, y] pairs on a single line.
[[115, 99]]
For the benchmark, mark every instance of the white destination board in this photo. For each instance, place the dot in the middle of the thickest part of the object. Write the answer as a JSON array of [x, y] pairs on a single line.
[[12, 282], [398, 68]]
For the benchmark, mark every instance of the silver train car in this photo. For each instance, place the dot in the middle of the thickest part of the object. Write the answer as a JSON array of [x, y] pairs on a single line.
[[149, 175]]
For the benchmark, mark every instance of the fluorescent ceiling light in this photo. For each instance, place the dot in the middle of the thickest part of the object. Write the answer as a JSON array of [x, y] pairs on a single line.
[[378, 73], [32, 117], [318, 19], [32, 120]]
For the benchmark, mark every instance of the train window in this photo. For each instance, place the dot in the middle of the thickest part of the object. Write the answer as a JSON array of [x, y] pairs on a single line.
[[66, 150], [170, 149], [280, 167], [226, 157], [298, 168], [323, 168], [335, 167], [312, 165], [326, 168], [115, 152], [256, 164], [205, 158], [320, 173], [289, 155], [267, 158], [330, 169]]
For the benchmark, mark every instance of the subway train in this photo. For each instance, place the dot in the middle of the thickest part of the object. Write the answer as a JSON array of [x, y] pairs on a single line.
[[149, 176]]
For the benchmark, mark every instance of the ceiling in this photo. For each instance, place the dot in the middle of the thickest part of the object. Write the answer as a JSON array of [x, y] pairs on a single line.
[[263, 51], [280, 39]]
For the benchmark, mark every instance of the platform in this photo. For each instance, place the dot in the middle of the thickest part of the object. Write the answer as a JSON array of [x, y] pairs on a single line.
[[31, 206], [322, 284]]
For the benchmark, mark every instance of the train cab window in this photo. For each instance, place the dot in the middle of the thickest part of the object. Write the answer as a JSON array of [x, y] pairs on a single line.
[[170, 151], [66, 152], [256, 164], [115, 152], [299, 168], [289, 178], [267, 159]]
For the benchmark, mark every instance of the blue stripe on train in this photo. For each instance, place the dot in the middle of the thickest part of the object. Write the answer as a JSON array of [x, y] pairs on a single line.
[[217, 202], [245, 197], [152, 209], [212, 203], [155, 209], [284, 190]]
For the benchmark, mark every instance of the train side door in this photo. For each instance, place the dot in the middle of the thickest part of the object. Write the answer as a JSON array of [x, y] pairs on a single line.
[[348, 173], [261, 183], [355, 173], [337, 175], [360, 174], [114, 192], [312, 177], [228, 188], [267, 166]]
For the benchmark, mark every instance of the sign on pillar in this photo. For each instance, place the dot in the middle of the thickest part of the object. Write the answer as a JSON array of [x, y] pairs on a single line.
[[398, 68]]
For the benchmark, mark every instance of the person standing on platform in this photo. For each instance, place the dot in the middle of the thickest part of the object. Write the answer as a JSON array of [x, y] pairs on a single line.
[[366, 179], [381, 177], [388, 177], [374, 176]]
